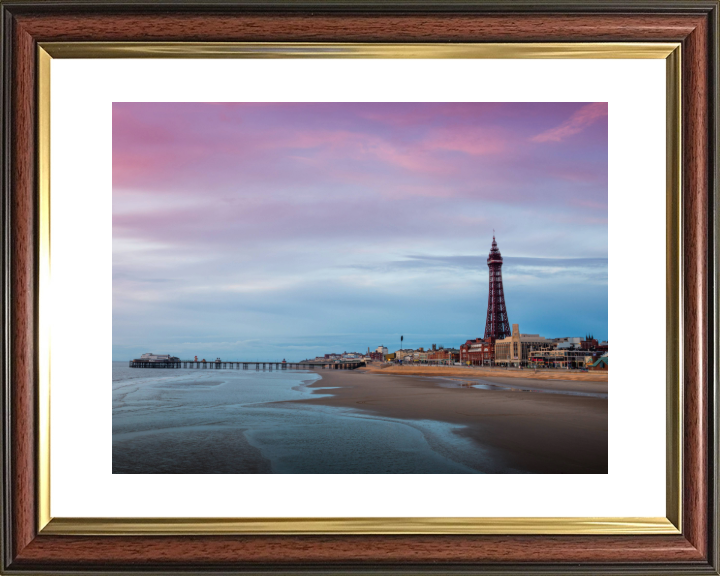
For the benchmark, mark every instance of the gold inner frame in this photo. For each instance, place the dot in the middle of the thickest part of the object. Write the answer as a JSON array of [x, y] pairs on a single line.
[[671, 524]]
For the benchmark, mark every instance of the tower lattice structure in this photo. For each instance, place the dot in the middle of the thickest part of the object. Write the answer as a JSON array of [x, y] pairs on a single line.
[[496, 325]]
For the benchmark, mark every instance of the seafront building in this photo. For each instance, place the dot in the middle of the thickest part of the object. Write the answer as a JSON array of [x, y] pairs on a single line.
[[150, 357], [478, 352], [516, 350], [600, 364], [404, 353], [567, 342], [440, 356], [434, 355], [590, 343], [564, 358]]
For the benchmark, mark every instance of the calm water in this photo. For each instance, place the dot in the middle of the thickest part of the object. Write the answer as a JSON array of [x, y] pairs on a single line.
[[239, 421]]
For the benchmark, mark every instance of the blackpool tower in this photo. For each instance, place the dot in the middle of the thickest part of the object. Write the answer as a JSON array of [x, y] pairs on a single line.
[[496, 325]]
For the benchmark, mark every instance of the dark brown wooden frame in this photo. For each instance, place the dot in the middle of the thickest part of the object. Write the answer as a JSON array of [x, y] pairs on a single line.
[[694, 23]]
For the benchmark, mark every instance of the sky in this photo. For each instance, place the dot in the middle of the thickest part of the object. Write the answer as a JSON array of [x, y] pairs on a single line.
[[270, 231]]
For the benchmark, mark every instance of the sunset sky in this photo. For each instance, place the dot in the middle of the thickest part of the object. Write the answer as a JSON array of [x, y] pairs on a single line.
[[287, 230]]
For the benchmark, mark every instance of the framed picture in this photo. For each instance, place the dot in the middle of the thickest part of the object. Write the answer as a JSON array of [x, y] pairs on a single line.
[[270, 193]]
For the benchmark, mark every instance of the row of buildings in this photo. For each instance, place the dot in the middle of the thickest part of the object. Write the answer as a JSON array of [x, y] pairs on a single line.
[[433, 355], [517, 350], [534, 350], [501, 347], [377, 356]]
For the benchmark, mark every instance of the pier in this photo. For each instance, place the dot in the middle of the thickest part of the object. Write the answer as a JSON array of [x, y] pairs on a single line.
[[241, 365]]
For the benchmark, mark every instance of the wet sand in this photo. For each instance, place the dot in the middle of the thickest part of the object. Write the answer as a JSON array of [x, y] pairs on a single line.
[[531, 425], [181, 451]]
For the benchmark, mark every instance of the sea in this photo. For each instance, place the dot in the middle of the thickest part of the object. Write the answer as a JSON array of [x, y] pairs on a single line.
[[176, 421]]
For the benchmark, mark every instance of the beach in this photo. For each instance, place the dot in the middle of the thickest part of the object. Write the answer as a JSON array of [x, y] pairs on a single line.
[[527, 424], [363, 421]]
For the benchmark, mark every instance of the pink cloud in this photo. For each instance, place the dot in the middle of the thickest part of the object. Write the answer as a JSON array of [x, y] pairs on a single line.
[[417, 113], [311, 153], [580, 120], [358, 146], [469, 139]]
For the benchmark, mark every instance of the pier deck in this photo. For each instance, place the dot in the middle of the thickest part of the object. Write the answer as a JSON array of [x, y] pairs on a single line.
[[241, 365]]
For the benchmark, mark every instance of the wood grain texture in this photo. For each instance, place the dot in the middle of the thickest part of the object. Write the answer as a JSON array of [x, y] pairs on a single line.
[[696, 197], [358, 28], [688, 552], [22, 293], [222, 551]]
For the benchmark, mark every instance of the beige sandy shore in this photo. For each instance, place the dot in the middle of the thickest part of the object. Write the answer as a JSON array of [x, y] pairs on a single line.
[[528, 425], [483, 372]]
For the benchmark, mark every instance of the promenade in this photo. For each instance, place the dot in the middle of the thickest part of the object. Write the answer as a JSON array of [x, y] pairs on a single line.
[[483, 371]]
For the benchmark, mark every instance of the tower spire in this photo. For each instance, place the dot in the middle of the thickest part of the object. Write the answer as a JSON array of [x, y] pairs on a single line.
[[497, 325]]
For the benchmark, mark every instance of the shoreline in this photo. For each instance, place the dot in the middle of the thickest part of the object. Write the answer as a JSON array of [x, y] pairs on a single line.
[[531, 425]]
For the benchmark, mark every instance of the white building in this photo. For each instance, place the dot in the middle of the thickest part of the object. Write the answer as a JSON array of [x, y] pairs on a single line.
[[402, 354], [515, 349], [563, 343], [560, 358], [150, 357]]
